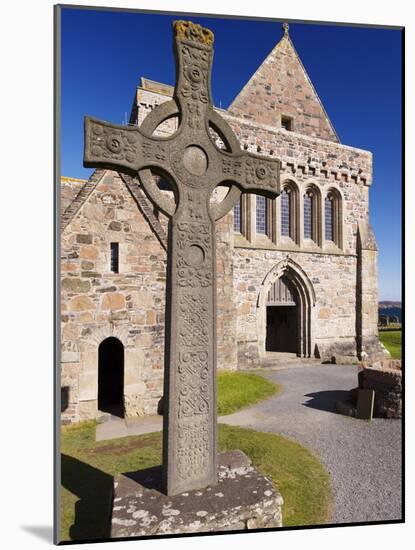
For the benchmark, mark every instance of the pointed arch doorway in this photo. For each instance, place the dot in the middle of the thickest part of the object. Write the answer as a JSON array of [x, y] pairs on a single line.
[[282, 318], [111, 377], [285, 310]]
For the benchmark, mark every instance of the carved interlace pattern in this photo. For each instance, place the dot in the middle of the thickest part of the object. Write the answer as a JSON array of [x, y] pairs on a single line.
[[194, 389], [194, 328], [193, 447], [111, 144], [194, 115], [194, 235], [194, 275], [153, 150], [194, 400], [195, 70], [253, 172]]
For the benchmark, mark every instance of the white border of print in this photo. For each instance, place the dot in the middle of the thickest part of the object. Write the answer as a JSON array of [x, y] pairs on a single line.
[[27, 270]]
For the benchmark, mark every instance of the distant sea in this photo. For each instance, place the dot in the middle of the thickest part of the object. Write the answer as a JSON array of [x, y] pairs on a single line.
[[391, 311]]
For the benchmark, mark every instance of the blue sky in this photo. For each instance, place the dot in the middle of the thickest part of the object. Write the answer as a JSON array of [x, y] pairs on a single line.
[[355, 70]]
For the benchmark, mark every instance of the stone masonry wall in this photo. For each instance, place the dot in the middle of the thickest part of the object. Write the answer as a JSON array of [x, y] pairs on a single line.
[[385, 378], [129, 305], [226, 321], [333, 315], [331, 271], [314, 161], [97, 303], [367, 295], [305, 159], [300, 153], [69, 190]]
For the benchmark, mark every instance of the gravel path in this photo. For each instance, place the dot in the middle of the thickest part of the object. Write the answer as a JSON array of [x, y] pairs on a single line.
[[363, 458]]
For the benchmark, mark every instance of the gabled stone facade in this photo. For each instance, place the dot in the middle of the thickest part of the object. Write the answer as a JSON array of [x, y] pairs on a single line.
[[330, 280], [281, 88]]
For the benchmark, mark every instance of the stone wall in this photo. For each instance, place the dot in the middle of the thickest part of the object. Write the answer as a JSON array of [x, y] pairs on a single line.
[[97, 303], [331, 270], [324, 165], [299, 152], [129, 305], [69, 189], [385, 378], [331, 299], [226, 323], [368, 344]]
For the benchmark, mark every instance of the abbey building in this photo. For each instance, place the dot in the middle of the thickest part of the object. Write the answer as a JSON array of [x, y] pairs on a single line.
[[296, 275]]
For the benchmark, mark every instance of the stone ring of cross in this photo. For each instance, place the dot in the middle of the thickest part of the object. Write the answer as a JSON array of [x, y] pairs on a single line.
[[193, 165], [189, 159]]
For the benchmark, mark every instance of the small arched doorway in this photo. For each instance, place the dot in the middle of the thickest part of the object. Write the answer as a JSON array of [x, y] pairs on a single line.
[[295, 291], [282, 317], [111, 376]]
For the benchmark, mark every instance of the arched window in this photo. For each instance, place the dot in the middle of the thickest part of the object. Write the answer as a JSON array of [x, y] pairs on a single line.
[[261, 215], [329, 217], [309, 213], [333, 218], [237, 217], [312, 216], [286, 213]]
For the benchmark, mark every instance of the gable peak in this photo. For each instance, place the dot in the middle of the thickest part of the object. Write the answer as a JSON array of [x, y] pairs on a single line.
[[281, 90], [285, 28]]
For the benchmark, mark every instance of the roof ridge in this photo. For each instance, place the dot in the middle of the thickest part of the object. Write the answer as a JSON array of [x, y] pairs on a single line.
[[73, 207], [72, 179], [145, 207], [135, 190], [312, 87]]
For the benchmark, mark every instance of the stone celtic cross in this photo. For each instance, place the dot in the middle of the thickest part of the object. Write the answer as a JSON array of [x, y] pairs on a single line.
[[195, 166]]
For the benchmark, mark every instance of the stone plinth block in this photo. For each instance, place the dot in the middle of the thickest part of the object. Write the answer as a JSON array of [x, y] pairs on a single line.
[[242, 499]]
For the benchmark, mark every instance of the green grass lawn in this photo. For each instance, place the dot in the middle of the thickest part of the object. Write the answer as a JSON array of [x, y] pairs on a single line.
[[240, 389], [392, 340], [88, 468]]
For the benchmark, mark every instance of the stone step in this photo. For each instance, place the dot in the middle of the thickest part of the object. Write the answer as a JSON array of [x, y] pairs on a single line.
[[282, 359]]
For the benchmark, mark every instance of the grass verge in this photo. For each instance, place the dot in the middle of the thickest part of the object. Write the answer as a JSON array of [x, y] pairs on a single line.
[[88, 468], [237, 390], [392, 340]]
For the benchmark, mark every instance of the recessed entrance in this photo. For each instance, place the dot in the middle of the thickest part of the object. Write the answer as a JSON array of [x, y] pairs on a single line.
[[282, 318], [282, 329], [285, 286], [111, 377]]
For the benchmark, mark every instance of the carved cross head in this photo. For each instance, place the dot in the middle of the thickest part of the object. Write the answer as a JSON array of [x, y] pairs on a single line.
[[195, 166], [189, 158]]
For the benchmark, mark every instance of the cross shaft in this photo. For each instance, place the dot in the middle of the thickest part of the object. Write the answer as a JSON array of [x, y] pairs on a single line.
[[190, 160]]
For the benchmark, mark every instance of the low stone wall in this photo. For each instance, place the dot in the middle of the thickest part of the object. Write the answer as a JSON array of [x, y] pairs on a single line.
[[385, 378]]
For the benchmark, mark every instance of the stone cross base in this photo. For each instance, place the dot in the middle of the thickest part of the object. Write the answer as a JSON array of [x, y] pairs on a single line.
[[242, 499]]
